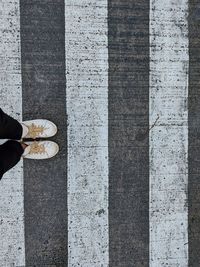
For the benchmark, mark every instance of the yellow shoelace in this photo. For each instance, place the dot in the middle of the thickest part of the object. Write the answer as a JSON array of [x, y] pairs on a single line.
[[36, 148], [35, 130]]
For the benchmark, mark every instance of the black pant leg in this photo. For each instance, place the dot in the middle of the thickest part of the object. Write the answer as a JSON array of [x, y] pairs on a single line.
[[10, 154], [9, 127]]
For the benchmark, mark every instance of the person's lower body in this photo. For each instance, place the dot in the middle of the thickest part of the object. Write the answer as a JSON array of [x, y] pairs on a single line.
[[10, 154], [12, 150]]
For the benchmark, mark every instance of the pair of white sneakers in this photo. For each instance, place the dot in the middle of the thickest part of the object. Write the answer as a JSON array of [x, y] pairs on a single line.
[[40, 128]]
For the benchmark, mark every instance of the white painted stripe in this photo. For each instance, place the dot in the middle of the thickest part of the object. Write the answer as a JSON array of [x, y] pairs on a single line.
[[87, 109], [12, 250], [169, 138]]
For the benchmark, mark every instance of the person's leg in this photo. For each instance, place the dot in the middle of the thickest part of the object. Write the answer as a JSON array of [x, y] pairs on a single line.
[[9, 127], [10, 154]]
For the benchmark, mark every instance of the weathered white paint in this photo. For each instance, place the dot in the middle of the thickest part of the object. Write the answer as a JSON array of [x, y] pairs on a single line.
[[12, 251], [169, 138], [87, 109]]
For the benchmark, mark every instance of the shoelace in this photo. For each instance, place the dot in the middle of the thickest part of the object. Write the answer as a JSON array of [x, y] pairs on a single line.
[[36, 148], [35, 130]]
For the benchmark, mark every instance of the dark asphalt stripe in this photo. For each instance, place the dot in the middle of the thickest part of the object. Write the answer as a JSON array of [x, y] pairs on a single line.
[[128, 44], [44, 96], [194, 134]]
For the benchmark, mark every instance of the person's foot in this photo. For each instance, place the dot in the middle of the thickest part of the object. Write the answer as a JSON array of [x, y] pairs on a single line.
[[39, 128], [40, 150]]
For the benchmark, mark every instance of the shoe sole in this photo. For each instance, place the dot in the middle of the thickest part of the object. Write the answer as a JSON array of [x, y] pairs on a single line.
[[55, 153], [54, 127]]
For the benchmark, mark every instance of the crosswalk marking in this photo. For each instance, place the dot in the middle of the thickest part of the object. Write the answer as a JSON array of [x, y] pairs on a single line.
[[87, 110], [12, 251], [169, 137]]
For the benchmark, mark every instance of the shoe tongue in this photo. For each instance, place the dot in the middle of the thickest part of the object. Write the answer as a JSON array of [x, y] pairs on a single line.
[[26, 150]]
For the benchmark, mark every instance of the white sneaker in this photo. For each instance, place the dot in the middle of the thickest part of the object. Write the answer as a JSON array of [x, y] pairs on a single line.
[[40, 150], [40, 128]]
